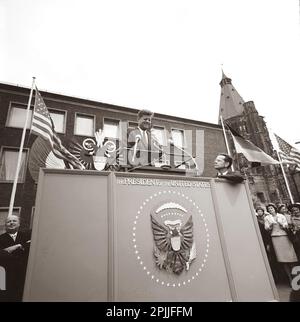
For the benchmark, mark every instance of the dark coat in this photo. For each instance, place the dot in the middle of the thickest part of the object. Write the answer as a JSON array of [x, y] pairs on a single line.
[[141, 150], [6, 240], [15, 265], [232, 176]]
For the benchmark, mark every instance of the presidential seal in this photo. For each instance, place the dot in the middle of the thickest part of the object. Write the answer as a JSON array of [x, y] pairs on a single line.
[[168, 227], [174, 245]]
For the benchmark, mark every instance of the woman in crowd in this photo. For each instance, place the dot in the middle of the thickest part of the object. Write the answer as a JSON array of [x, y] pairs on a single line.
[[283, 209], [266, 237], [277, 225], [295, 227], [260, 215]]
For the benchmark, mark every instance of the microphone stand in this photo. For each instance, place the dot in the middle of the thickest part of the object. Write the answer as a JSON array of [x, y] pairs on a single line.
[[188, 154]]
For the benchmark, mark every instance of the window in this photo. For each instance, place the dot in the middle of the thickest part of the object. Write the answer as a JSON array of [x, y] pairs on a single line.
[[160, 135], [3, 216], [84, 125], [178, 138], [17, 115], [58, 118], [8, 164], [132, 125], [111, 128]]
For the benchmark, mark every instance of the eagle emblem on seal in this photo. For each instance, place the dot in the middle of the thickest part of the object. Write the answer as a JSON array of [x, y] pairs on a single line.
[[172, 228]]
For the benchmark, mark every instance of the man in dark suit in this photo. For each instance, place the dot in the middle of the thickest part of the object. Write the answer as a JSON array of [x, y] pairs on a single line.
[[144, 148], [14, 249], [222, 164]]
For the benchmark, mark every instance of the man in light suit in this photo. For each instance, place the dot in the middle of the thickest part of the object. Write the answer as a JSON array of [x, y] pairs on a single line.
[[14, 249], [222, 164], [144, 148]]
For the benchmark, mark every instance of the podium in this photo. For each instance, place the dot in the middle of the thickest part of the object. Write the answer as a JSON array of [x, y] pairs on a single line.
[[105, 236]]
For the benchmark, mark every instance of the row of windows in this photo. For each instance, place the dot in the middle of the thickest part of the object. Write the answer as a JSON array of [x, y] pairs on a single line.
[[9, 158], [85, 125], [8, 164]]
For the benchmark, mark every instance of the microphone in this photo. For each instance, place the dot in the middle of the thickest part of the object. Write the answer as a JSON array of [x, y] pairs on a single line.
[[137, 139], [171, 142]]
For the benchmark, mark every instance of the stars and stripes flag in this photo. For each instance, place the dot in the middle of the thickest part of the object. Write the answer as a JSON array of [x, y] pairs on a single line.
[[288, 154], [41, 121], [42, 125]]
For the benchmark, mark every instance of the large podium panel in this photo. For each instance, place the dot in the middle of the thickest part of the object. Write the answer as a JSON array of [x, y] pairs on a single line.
[[68, 259], [100, 236]]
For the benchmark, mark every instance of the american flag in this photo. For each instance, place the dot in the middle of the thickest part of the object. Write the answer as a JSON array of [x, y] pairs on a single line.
[[42, 125], [41, 120], [288, 153]]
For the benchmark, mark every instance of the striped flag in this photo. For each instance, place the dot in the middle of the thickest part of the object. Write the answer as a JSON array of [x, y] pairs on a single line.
[[42, 125], [288, 153]]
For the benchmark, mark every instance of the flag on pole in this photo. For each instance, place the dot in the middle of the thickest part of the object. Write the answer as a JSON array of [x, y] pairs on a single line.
[[41, 120], [288, 154], [251, 152], [42, 125]]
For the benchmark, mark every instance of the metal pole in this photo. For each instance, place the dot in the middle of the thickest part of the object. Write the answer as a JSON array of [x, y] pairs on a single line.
[[14, 188], [285, 178], [226, 141]]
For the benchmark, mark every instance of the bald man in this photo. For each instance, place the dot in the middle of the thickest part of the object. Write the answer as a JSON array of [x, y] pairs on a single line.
[[13, 240], [14, 247]]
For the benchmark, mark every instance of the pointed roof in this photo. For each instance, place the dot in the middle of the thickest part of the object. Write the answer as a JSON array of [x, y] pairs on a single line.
[[231, 102]]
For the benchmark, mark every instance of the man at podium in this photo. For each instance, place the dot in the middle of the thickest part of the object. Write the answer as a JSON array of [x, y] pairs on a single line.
[[222, 164], [144, 148]]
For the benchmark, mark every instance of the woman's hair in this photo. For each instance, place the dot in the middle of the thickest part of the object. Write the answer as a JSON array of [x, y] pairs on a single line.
[[281, 206], [260, 208], [271, 205]]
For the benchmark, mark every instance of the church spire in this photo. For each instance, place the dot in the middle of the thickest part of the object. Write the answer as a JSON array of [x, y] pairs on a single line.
[[231, 103]]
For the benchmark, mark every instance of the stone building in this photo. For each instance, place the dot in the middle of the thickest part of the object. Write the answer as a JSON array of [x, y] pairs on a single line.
[[266, 182]]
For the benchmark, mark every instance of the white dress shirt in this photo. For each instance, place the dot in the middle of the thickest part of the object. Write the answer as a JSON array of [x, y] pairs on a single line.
[[14, 236]]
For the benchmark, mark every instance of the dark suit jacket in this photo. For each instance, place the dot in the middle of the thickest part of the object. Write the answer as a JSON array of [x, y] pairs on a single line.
[[15, 264], [138, 144], [6, 240], [232, 176], [22, 237]]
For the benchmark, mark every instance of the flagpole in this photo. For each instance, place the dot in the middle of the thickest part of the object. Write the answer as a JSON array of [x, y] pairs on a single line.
[[276, 147], [285, 178], [226, 141], [14, 188]]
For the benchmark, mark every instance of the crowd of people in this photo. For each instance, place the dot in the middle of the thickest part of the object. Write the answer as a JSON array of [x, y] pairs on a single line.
[[280, 230]]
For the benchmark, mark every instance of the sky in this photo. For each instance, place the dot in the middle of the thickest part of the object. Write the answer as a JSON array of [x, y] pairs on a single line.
[[163, 55]]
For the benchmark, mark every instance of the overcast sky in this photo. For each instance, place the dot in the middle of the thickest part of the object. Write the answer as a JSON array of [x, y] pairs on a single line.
[[164, 55]]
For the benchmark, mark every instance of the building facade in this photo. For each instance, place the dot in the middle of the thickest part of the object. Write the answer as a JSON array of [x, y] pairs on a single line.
[[266, 182], [76, 120]]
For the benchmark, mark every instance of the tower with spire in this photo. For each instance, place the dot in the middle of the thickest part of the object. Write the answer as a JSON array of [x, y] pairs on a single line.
[[266, 182]]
